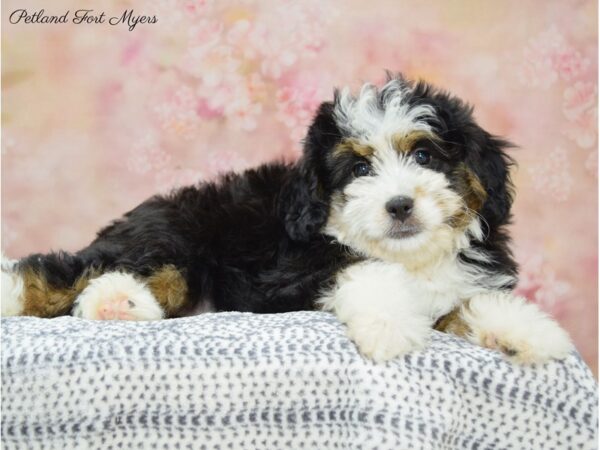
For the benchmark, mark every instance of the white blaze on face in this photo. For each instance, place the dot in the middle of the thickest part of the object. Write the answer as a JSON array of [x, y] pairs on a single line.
[[364, 117]]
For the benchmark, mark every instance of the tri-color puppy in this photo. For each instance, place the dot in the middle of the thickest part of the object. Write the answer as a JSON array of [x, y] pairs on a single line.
[[394, 219]]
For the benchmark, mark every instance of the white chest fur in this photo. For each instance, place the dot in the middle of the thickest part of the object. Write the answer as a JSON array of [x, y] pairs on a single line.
[[386, 287]]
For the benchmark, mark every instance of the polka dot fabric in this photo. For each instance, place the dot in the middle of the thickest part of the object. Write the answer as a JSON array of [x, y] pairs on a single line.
[[234, 380]]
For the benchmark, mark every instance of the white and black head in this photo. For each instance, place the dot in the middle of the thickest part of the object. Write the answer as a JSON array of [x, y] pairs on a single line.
[[402, 173]]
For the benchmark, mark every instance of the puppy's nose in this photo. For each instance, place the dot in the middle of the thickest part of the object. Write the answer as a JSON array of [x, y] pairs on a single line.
[[400, 208]]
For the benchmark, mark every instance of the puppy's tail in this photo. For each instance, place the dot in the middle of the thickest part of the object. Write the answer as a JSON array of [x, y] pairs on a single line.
[[43, 285]]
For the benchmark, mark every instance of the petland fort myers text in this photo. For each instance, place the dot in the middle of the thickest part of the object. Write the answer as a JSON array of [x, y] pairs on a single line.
[[81, 16]]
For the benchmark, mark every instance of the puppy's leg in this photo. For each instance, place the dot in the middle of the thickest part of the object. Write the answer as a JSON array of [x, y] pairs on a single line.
[[508, 323], [169, 286], [43, 285], [382, 317], [48, 285], [117, 296]]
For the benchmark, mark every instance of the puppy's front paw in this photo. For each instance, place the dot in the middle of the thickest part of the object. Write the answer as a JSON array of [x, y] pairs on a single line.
[[382, 339], [520, 330], [117, 296]]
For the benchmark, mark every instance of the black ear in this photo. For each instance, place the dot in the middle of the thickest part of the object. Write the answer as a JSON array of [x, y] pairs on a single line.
[[488, 160], [486, 156], [304, 202], [303, 207]]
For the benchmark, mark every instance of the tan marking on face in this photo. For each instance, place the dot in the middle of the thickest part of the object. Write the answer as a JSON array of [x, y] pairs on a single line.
[[419, 192], [41, 299], [353, 146], [169, 287], [476, 195], [404, 143], [473, 194]]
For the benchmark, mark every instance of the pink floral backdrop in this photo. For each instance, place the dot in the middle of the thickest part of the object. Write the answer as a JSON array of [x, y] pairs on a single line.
[[95, 118]]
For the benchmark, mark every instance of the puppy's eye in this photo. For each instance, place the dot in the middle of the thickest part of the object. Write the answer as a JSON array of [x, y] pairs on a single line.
[[361, 169], [422, 157]]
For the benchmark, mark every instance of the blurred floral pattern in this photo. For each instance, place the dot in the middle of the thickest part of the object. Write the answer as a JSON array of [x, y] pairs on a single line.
[[95, 118]]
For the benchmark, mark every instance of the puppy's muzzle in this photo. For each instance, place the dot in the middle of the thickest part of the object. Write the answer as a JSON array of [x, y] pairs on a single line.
[[404, 223]]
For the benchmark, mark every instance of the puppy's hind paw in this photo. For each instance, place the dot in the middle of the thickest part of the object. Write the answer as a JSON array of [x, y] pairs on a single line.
[[520, 330], [11, 300], [117, 296]]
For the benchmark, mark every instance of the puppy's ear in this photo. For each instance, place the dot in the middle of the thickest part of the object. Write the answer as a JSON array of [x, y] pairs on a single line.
[[302, 204], [304, 201], [486, 156]]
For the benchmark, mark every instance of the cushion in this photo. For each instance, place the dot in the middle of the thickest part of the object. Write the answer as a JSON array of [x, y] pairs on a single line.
[[240, 380]]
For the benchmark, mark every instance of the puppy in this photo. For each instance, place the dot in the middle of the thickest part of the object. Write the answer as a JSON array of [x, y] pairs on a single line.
[[393, 219]]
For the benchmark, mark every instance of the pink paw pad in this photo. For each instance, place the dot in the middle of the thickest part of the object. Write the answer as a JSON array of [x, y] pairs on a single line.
[[490, 341], [116, 309]]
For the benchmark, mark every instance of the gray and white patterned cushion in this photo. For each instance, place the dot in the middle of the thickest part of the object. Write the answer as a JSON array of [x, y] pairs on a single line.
[[233, 380]]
